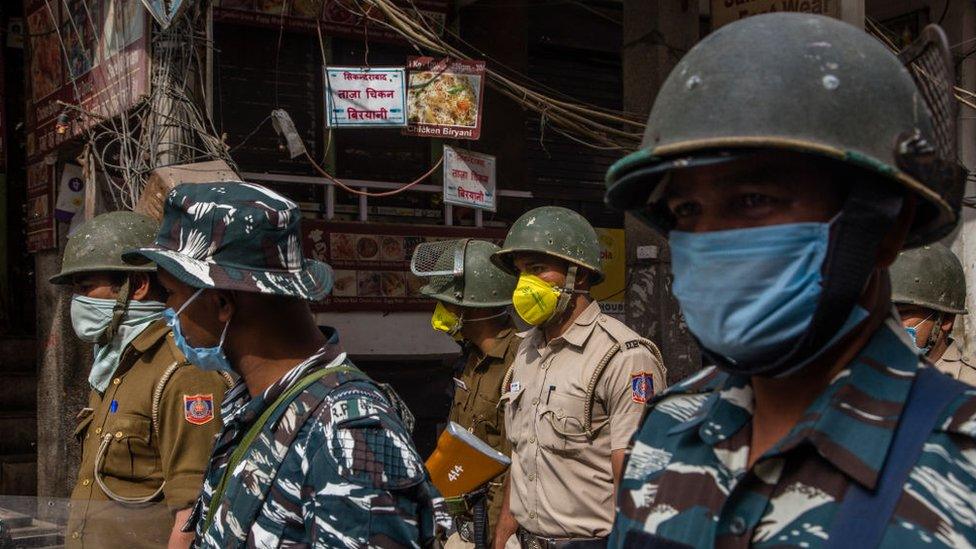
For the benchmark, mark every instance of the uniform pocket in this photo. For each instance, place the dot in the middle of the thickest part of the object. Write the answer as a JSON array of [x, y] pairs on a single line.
[[561, 423], [130, 454], [489, 419], [85, 418], [509, 405]]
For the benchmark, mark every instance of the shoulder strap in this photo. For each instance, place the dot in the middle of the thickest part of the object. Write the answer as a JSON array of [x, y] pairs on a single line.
[[598, 372], [863, 516], [161, 384], [242, 448]]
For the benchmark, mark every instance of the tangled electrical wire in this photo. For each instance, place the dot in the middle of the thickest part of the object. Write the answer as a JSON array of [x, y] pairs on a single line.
[[163, 128], [592, 126]]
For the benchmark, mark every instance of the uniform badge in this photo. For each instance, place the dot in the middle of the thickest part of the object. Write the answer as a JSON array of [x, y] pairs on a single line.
[[642, 386], [198, 409]]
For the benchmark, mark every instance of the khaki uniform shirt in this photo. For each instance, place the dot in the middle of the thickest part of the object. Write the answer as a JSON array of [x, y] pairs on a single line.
[[561, 478], [476, 394], [136, 460], [954, 363]]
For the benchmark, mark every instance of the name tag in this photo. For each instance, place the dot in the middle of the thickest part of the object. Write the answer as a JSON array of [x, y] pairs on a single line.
[[461, 384]]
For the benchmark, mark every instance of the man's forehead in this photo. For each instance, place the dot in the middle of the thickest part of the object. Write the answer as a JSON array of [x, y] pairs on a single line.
[[756, 171]]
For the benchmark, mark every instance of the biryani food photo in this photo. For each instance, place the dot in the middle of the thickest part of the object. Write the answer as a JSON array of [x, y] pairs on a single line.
[[442, 99]]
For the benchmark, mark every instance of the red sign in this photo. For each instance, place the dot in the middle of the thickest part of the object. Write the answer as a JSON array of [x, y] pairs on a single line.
[[444, 97], [335, 17], [41, 233], [372, 262], [89, 53]]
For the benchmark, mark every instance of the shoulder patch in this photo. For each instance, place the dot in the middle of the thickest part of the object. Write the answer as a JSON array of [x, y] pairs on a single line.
[[198, 409], [642, 386], [370, 444], [632, 344]]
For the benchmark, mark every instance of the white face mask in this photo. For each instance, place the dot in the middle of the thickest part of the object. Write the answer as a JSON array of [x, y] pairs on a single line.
[[91, 316]]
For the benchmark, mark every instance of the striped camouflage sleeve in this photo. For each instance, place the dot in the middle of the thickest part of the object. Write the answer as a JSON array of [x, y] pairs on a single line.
[[366, 484]]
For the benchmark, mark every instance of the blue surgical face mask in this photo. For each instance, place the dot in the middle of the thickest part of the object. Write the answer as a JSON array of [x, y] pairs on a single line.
[[91, 316], [749, 294], [206, 358], [913, 333]]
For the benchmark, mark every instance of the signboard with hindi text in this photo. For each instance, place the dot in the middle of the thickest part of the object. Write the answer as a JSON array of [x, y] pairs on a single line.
[[444, 97], [469, 179], [727, 11], [365, 97]]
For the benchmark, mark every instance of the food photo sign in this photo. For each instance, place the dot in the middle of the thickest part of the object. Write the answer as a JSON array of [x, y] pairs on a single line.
[[444, 97], [365, 96], [371, 262]]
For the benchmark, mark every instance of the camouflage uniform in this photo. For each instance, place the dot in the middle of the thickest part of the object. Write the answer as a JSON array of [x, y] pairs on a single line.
[[332, 463], [349, 478], [687, 482]]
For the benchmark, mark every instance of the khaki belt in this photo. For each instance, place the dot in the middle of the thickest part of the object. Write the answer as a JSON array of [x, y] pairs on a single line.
[[528, 540]]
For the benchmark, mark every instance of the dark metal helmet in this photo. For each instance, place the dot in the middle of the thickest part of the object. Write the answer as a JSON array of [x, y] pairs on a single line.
[[461, 272], [818, 86], [97, 245], [930, 276], [554, 231]]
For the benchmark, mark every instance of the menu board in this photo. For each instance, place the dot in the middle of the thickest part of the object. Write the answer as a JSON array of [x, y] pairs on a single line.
[[444, 98], [372, 261]]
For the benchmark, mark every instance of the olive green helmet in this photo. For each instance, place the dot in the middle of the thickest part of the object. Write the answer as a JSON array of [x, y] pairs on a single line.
[[461, 272], [554, 231], [930, 276], [97, 245], [820, 87]]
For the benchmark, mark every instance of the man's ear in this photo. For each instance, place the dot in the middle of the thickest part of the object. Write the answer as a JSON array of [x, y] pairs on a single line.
[[948, 321], [893, 242], [226, 305], [140, 287]]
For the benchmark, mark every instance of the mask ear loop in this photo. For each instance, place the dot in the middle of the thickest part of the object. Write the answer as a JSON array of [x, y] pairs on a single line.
[[565, 294], [187, 302]]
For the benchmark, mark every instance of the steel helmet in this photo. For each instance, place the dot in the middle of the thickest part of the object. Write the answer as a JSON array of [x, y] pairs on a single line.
[[460, 272], [930, 276], [824, 89], [820, 87], [97, 245], [555, 231]]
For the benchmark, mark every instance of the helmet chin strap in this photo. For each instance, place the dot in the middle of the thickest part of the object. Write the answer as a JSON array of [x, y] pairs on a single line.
[[118, 312], [936, 331], [566, 294]]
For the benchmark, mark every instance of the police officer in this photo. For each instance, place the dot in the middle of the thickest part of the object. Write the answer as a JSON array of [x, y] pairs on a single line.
[[787, 183], [313, 452], [928, 286], [576, 389], [473, 307], [149, 424]]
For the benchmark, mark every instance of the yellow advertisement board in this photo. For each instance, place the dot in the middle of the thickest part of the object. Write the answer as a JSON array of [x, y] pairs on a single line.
[[613, 255]]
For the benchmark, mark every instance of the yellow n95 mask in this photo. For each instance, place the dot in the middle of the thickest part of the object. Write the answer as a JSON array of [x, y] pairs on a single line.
[[535, 300], [445, 321]]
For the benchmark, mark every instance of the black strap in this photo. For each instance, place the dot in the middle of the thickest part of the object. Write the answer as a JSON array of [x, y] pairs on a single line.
[[863, 516], [480, 515]]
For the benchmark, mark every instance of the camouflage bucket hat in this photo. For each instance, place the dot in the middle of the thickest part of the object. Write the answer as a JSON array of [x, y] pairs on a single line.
[[235, 236]]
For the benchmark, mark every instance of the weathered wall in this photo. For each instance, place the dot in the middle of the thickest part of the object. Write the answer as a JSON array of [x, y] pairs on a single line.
[[656, 34], [62, 383]]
